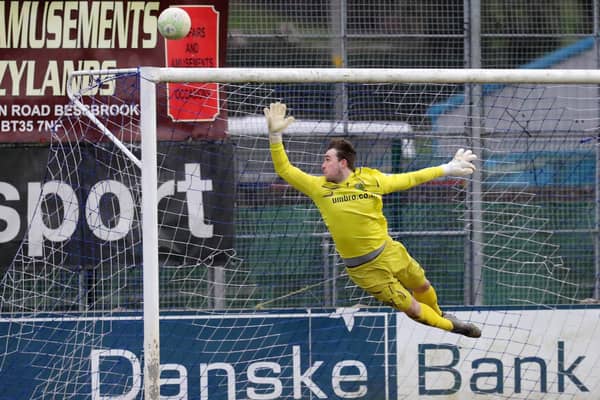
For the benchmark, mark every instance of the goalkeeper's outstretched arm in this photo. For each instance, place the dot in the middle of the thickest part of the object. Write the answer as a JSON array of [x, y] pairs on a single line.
[[461, 166], [277, 122]]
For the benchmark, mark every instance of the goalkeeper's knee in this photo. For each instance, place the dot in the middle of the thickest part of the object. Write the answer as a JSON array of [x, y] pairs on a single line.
[[396, 296], [393, 295]]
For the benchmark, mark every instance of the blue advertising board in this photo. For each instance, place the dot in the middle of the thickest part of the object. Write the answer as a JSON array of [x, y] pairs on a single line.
[[345, 353], [227, 356]]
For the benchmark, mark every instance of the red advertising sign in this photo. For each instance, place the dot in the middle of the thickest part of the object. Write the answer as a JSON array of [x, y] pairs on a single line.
[[199, 49], [42, 41]]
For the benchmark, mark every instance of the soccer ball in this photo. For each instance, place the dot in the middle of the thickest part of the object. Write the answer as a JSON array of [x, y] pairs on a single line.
[[174, 23]]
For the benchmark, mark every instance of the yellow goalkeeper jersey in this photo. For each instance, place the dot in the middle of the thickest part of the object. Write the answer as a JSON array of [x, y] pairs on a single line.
[[352, 210]]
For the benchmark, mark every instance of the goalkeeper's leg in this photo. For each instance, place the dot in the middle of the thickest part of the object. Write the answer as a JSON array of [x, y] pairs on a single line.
[[395, 295], [387, 279], [424, 307], [426, 294]]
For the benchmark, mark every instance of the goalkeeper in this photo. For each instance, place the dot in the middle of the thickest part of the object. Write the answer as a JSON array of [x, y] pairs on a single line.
[[350, 202]]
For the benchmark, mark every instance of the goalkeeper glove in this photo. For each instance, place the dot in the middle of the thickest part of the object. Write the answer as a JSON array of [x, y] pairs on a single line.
[[276, 121], [461, 164]]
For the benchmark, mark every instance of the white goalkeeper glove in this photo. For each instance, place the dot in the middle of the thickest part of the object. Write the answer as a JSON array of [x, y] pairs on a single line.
[[277, 121], [461, 164]]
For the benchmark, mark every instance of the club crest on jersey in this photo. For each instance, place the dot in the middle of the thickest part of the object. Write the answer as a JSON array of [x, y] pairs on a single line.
[[360, 186]]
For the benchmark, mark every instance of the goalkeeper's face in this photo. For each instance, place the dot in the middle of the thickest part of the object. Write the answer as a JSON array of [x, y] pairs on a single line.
[[335, 170]]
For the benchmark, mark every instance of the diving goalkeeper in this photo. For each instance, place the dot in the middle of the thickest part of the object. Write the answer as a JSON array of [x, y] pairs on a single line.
[[350, 202]]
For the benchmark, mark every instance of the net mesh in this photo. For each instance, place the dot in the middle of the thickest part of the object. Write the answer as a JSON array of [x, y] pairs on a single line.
[[233, 236]]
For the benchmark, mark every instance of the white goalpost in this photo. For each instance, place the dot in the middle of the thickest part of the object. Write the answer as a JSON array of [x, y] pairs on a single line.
[[367, 75], [161, 215], [149, 199]]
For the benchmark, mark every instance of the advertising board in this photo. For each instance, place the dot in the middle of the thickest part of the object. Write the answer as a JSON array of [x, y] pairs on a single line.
[[323, 354]]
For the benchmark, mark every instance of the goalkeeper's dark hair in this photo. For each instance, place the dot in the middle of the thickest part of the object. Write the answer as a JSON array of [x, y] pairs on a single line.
[[344, 149]]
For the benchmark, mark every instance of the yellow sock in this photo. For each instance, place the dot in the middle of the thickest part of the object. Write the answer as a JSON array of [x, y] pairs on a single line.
[[430, 317], [428, 297]]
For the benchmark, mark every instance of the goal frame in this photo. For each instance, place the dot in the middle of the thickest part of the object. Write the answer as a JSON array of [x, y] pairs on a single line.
[[149, 77]]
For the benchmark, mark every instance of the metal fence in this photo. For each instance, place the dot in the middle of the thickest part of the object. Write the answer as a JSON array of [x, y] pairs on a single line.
[[437, 34]]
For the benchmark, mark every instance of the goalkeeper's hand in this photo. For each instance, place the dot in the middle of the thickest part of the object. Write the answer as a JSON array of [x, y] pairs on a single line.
[[461, 164], [277, 121]]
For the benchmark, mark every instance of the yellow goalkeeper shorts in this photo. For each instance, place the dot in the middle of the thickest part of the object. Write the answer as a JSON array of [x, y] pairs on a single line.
[[390, 276]]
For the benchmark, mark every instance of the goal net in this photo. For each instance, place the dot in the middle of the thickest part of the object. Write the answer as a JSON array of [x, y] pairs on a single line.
[[254, 300]]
